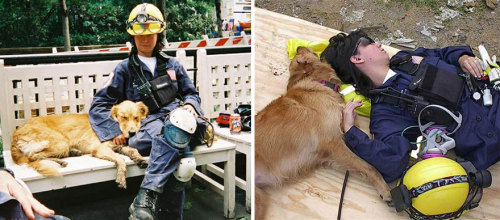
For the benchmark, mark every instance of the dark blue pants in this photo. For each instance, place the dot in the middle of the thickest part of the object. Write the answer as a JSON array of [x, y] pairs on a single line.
[[163, 160]]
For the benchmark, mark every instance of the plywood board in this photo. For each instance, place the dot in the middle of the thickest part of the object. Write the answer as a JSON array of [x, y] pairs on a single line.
[[317, 195]]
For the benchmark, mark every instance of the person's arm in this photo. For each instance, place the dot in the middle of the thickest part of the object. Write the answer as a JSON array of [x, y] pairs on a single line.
[[449, 54], [187, 89], [460, 56], [99, 114], [10, 186], [388, 153]]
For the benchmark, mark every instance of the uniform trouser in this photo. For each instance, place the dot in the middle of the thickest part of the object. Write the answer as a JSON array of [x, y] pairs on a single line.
[[163, 160]]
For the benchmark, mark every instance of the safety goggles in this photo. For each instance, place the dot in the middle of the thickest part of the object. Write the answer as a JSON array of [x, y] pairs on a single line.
[[143, 23], [365, 41]]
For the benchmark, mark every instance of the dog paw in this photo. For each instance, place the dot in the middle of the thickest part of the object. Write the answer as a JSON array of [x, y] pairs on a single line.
[[122, 184], [387, 199], [63, 163], [33, 157], [142, 163], [390, 203], [75, 153], [121, 181]]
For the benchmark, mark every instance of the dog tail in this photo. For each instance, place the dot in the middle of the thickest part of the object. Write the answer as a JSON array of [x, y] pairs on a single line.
[[261, 203], [46, 167]]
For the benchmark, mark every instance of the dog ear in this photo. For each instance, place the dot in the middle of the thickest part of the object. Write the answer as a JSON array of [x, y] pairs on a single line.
[[114, 113], [304, 50], [143, 109], [303, 60], [306, 63]]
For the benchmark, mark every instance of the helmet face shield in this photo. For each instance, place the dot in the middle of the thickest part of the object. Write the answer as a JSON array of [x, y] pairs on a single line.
[[145, 19]]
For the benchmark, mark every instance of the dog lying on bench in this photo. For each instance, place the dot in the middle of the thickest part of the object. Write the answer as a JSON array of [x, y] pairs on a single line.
[[301, 131], [42, 141]]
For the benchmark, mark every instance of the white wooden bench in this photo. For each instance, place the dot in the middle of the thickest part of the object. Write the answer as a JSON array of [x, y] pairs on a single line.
[[36, 90], [243, 142], [225, 87]]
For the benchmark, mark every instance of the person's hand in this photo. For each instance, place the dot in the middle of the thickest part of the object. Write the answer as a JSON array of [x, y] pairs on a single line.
[[471, 65], [10, 186], [190, 109], [349, 114], [119, 140]]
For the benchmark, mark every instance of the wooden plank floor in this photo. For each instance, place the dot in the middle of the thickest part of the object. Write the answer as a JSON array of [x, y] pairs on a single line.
[[317, 195]]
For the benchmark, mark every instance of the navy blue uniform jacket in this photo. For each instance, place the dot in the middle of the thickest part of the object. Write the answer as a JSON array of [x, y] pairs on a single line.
[[477, 140], [122, 87]]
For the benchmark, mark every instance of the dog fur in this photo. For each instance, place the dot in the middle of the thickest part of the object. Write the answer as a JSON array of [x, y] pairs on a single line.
[[301, 131], [42, 141]]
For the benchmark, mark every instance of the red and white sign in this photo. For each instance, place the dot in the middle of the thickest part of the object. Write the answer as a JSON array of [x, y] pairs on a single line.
[[216, 42]]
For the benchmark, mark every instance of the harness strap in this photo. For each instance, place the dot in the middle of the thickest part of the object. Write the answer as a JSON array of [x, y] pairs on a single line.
[[210, 139], [138, 73], [393, 97], [392, 100]]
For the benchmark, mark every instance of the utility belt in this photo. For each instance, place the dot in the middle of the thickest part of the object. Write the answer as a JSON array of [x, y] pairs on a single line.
[[155, 93], [431, 85]]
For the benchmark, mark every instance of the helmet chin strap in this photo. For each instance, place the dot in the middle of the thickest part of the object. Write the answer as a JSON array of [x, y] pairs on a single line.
[[424, 127]]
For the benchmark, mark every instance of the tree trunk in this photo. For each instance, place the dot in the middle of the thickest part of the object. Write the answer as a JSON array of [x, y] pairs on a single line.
[[161, 6], [65, 22], [219, 19]]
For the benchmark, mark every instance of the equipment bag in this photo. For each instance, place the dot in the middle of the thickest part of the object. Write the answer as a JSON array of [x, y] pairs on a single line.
[[438, 86], [155, 93], [163, 89]]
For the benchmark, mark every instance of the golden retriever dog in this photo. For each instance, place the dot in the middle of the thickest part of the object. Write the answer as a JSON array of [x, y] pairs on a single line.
[[42, 141], [301, 130]]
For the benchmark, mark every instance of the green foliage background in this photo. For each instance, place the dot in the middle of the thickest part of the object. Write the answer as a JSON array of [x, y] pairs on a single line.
[[37, 23]]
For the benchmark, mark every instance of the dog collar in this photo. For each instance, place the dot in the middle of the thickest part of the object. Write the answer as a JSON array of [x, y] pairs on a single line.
[[330, 85]]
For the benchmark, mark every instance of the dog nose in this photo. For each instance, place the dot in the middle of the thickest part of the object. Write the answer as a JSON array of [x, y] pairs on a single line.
[[131, 133]]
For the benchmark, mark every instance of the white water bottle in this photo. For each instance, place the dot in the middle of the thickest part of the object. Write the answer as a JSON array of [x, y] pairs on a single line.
[[487, 99]]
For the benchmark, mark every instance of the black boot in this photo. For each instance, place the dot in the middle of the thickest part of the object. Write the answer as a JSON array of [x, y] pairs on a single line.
[[144, 205]]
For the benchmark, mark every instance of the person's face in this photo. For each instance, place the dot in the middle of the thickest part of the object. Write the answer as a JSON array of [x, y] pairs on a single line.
[[145, 44], [371, 52]]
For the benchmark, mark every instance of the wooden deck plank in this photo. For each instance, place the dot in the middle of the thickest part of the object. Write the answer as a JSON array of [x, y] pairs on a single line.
[[317, 195]]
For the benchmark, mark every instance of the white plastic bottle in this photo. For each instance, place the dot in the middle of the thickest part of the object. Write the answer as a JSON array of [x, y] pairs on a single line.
[[487, 99]]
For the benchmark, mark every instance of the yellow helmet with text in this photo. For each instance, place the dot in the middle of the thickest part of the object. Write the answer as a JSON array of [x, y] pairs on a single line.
[[440, 188], [446, 198], [145, 19]]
